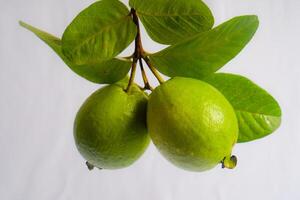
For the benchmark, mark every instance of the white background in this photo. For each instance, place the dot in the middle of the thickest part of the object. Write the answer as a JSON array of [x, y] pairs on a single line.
[[39, 97]]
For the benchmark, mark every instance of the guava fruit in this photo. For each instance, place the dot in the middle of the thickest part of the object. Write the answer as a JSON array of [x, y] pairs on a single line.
[[192, 124], [110, 128]]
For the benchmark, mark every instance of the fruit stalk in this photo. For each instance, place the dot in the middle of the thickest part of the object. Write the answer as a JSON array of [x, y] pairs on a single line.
[[153, 70], [147, 84], [132, 74]]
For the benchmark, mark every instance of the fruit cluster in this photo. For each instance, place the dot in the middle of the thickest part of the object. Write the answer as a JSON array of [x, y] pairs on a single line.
[[196, 117]]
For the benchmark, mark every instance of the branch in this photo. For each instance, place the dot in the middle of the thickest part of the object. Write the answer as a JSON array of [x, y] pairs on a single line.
[[137, 50], [138, 55]]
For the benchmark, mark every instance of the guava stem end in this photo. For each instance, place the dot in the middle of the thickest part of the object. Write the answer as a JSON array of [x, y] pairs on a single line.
[[229, 162], [89, 166]]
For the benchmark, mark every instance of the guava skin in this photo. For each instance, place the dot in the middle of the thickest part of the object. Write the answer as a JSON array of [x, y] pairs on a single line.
[[191, 123], [110, 128]]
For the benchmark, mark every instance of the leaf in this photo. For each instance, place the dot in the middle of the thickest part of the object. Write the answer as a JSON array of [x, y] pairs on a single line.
[[257, 112], [207, 52], [169, 21], [109, 71], [100, 32]]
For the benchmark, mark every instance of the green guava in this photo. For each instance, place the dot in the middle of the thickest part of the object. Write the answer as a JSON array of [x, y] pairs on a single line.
[[110, 128], [192, 124]]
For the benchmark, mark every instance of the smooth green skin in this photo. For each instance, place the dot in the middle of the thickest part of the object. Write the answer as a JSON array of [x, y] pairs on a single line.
[[100, 32], [191, 123], [103, 72], [207, 52], [110, 128], [170, 22], [258, 113]]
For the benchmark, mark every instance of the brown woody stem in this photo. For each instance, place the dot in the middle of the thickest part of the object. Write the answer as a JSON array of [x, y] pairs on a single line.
[[138, 55]]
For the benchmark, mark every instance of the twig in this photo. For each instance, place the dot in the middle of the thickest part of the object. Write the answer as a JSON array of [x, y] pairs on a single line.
[[145, 79], [153, 70]]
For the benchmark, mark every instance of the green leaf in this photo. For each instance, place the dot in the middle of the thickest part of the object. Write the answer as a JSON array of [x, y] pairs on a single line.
[[100, 32], [258, 113], [109, 71], [169, 21], [207, 52]]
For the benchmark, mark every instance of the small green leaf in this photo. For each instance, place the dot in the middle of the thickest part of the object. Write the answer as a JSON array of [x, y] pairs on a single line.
[[108, 71], [258, 113], [100, 32], [169, 21], [207, 52]]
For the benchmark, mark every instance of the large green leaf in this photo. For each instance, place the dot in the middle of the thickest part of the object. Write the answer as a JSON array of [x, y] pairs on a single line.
[[257, 111], [207, 52], [169, 21], [108, 71], [100, 32]]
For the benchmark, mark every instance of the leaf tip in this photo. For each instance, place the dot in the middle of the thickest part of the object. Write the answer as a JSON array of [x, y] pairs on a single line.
[[24, 25], [254, 19], [21, 23]]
